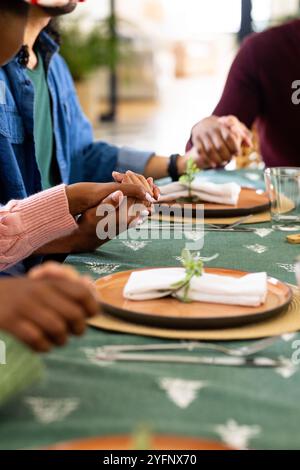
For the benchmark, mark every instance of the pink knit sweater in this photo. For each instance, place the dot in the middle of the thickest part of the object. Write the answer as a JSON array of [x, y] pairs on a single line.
[[31, 223]]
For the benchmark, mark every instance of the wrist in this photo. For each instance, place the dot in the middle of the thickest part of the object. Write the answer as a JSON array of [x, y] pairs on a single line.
[[78, 198], [181, 164], [173, 167], [71, 193]]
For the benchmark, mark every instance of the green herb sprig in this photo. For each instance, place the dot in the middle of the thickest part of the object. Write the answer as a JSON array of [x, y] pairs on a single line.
[[193, 268], [190, 174], [142, 438]]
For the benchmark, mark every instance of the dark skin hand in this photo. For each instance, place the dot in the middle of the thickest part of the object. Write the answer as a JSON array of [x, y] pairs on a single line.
[[85, 238], [85, 196], [218, 140], [43, 313]]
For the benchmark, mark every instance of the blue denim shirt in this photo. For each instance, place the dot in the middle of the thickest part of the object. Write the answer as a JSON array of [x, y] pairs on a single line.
[[79, 157]]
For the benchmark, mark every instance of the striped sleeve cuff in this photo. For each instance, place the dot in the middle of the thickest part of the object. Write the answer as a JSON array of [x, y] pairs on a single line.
[[46, 216]]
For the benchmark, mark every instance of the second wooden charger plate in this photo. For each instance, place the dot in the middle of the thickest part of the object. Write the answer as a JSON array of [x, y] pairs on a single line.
[[251, 201], [171, 313]]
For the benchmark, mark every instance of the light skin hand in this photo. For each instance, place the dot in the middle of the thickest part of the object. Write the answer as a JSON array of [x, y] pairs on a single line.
[[148, 184], [135, 178]]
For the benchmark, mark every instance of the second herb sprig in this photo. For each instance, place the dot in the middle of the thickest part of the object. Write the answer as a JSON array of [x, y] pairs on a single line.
[[193, 268], [188, 178]]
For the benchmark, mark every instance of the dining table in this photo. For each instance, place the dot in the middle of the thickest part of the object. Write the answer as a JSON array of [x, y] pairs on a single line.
[[83, 396]]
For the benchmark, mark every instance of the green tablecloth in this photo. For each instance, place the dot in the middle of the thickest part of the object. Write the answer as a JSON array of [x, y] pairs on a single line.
[[82, 397]]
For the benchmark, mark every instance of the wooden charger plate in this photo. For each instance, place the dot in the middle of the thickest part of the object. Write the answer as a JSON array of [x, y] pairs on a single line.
[[251, 201], [171, 313], [126, 443]]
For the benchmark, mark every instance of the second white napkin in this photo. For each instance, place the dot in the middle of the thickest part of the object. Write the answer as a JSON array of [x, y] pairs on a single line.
[[227, 194], [250, 290]]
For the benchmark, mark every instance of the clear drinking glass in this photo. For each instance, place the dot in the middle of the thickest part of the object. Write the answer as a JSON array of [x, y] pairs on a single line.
[[283, 187]]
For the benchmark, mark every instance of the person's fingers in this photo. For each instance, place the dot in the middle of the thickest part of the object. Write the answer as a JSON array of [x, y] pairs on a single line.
[[221, 146], [248, 138], [156, 193], [140, 179], [78, 292], [232, 142], [130, 177], [155, 188], [202, 160], [31, 335], [107, 189], [118, 177], [134, 178], [150, 180], [46, 318], [244, 134], [115, 199], [52, 270], [69, 312], [237, 128], [133, 211], [203, 157], [210, 151], [137, 191]]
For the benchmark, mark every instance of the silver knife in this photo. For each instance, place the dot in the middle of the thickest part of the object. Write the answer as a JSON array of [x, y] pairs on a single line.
[[264, 363]]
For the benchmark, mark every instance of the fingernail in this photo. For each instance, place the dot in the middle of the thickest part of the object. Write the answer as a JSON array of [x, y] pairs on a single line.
[[117, 196], [140, 220], [145, 213], [149, 198]]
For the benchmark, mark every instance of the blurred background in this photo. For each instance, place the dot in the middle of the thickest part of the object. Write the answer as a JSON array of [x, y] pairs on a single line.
[[147, 70]]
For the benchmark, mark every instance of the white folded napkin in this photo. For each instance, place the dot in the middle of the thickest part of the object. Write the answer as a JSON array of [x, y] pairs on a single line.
[[249, 291], [227, 194]]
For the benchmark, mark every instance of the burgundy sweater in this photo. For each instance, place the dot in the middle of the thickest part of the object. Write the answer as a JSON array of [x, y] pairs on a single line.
[[259, 90]]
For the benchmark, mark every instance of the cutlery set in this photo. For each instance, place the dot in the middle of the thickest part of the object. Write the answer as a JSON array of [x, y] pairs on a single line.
[[234, 357], [262, 363], [171, 225]]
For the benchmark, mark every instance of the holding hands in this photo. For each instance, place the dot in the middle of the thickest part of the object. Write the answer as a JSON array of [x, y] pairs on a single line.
[[94, 203], [215, 141]]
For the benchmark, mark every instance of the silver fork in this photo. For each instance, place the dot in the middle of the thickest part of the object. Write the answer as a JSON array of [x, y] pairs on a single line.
[[232, 226], [243, 352], [204, 228]]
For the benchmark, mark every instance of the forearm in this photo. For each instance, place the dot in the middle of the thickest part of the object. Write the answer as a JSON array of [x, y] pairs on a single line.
[[158, 167], [28, 224], [77, 242]]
